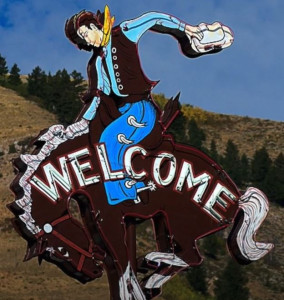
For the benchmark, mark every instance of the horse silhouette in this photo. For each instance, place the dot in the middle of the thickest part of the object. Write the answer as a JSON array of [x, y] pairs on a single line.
[[186, 194]]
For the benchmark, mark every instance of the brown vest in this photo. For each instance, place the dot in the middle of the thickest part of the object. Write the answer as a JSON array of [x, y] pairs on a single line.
[[129, 75]]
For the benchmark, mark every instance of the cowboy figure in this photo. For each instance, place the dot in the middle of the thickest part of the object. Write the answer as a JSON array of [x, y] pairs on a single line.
[[115, 70]]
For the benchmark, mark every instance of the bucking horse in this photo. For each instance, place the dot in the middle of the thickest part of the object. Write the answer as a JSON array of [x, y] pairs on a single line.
[[187, 195]]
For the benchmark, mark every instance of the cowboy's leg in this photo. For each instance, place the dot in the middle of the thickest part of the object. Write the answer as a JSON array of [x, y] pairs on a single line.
[[135, 123]]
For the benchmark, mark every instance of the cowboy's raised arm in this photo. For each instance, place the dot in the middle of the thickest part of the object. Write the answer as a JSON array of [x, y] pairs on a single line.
[[194, 40]]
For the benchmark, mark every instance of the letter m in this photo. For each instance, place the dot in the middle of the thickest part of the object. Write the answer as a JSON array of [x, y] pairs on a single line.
[[187, 175], [54, 178]]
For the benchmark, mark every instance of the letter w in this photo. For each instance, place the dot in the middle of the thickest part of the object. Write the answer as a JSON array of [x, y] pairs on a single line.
[[53, 178]]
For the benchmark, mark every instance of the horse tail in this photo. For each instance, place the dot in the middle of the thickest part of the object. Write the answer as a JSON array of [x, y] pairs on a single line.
[[241, 242]]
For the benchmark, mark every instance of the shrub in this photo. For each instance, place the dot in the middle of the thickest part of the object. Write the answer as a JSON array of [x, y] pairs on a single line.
[[12, 149]]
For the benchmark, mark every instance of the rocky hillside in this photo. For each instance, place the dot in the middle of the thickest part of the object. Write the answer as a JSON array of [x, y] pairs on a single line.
[[20, 120]]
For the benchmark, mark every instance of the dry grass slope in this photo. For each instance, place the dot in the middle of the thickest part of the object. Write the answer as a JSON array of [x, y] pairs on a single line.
[[21, 119]]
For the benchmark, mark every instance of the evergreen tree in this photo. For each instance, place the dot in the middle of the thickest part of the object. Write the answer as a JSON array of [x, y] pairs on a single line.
[[37, 81], [14, 77], [231, 284], [177, 128], [69, 107], [78, 85], [213, 151], [63, 96], [260, 166], [231, 162], [77, 79], [213, 245], [196, 277], [59, 88], [274, 182], [196, 135], [245, 169], [3, 69]]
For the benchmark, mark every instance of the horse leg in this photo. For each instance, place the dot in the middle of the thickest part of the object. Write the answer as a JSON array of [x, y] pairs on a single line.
[[162, 235], [167, 266], [164, 262], [177, 251], [131, 244], [163, 242], [113, 278], [122, 271]]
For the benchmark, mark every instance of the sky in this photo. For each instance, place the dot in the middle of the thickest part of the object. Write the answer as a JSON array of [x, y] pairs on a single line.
[[246, 79]]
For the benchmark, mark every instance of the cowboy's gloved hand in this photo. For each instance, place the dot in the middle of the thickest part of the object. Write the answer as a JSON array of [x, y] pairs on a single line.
[[208, 37]]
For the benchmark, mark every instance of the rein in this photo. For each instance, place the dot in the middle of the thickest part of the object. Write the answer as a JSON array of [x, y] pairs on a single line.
[[65, 240]]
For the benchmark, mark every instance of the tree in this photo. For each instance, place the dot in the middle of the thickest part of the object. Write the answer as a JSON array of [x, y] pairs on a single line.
[[78, 85], [213, 245], [177, 128], [3, 69], [231, 162], [213, 151], [260, 166], [231, 284], [196, 277], [196, 135], [77, 79], [274, 181], [63, 95], [37, 81], [14, 77], [245, 169], [59, 92]]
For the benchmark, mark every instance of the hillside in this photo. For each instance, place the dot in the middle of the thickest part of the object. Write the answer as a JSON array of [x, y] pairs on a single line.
[[249, 134], [20, 120]]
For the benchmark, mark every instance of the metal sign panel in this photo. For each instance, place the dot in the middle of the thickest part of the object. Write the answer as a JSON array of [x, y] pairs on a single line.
[[120, 166]]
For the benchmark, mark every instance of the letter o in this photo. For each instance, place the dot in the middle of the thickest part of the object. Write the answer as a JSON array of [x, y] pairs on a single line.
[[157, 166]]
